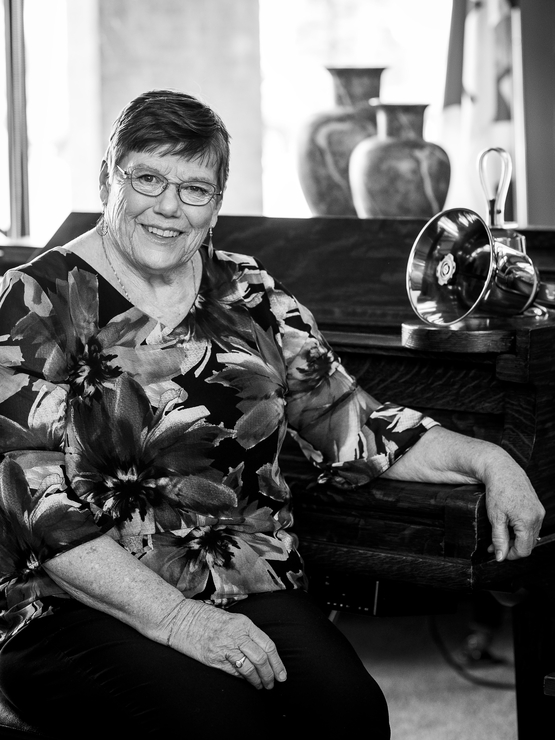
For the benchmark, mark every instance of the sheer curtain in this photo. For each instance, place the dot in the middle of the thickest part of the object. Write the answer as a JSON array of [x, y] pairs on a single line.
[[479, 96]]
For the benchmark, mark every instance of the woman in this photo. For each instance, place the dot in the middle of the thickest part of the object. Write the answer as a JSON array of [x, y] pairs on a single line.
[[149, 572]]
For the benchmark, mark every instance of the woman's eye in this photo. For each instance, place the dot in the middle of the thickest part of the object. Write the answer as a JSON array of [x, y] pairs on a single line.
[[196, 189], [147, 178]]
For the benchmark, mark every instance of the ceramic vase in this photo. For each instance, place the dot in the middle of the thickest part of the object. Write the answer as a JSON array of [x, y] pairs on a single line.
[[396, 172], [327, 140]]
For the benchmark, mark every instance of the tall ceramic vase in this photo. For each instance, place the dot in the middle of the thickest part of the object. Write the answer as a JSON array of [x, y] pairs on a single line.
[[327, 140], [396, 172]]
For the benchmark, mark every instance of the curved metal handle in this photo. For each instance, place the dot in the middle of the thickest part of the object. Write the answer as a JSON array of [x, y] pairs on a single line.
[[496, 202]]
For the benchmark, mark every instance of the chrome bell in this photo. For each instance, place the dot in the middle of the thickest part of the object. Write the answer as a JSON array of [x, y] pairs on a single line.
[[457, 269]]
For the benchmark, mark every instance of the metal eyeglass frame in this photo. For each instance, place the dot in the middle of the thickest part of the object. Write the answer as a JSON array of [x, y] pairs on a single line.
[[129, 175]]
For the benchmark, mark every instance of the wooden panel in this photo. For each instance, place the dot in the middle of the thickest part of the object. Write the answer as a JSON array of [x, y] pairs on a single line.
[[335, 526], [312, 255], [549, 684], [449, 574], [486, 337], [432, 382], [445, 521], [343, 269], [512, 576], [462, 394], [540, 245], [377, 598]]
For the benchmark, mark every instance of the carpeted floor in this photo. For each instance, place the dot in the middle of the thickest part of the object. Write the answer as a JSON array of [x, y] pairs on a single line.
[[428, 699]]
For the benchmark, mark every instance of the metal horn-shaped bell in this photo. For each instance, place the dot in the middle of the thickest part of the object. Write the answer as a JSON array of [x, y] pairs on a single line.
[[456, 269]]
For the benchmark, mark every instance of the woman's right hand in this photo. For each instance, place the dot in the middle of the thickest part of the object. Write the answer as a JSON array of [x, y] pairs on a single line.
[[102, 574], [230, 642]]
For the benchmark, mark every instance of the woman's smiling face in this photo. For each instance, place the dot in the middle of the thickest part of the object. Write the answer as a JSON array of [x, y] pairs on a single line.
[[157, 235]]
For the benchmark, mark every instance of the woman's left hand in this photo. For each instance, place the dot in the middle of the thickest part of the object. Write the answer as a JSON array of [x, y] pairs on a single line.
[[512, 504], [514, 510]]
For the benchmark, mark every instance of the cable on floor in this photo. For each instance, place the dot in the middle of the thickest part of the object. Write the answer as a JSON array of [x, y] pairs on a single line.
[[456, 666]]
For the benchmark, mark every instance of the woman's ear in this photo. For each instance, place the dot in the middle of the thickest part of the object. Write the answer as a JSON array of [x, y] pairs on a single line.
[[104, 182], [214, 219]]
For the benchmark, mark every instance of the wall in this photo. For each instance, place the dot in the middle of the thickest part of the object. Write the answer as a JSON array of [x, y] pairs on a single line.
[[209, 49], [85, 142]]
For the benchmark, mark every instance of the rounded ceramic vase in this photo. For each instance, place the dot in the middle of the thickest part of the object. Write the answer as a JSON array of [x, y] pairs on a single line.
[[327, 140], [396, 172]]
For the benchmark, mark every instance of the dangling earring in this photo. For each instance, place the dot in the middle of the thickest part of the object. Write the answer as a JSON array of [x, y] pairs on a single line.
[[101, 225], [210, 245]]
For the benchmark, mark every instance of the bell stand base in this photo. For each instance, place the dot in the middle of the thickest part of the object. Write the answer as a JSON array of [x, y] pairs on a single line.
[[475, 334]]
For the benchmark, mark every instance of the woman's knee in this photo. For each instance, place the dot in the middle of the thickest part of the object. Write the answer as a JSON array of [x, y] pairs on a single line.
[[328, 686]]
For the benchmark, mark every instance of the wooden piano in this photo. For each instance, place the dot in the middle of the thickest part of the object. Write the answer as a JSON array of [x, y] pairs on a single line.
[[415, 547]]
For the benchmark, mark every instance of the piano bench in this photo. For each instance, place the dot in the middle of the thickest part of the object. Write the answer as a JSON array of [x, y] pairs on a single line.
[[14, 727], [549, 684]]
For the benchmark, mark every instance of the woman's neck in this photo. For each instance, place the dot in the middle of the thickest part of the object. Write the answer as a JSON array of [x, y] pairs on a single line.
[[167, 298], [159, 283]]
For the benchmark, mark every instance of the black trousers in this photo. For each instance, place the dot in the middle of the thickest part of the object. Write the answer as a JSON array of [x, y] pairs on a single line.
[[83, 674]]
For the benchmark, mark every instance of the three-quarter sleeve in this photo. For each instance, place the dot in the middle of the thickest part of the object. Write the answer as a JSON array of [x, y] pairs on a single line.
[[339, 426]]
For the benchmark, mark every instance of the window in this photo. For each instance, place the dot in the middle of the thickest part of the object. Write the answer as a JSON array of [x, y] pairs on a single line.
[[299, 38]]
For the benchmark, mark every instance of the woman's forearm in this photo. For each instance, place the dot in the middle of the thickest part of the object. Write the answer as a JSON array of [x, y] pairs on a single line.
[[103, 575], [442, 456], [514, 510]]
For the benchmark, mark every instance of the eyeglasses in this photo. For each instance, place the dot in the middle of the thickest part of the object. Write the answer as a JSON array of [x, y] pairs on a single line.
[[147, 182]]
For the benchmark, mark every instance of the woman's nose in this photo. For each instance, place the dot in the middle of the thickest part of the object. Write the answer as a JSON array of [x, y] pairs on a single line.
[[168, 202]]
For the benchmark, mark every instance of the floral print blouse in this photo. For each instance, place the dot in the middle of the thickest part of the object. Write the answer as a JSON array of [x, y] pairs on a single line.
[[169, 440]]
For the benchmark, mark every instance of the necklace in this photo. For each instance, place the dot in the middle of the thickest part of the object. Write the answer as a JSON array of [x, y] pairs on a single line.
[[109, 261], [122, 286]]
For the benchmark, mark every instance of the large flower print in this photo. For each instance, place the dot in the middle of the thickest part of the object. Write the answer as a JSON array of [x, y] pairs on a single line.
[[45, 422], [60, 337], [146, 470], [32, 530], [10, 381], [229, 559], [90, 368], [259, 379]]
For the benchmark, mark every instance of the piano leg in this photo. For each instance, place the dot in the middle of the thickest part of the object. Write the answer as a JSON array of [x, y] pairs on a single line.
[[534, 647]]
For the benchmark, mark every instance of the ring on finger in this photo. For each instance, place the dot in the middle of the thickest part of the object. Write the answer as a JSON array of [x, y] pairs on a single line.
[[239, 663]]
